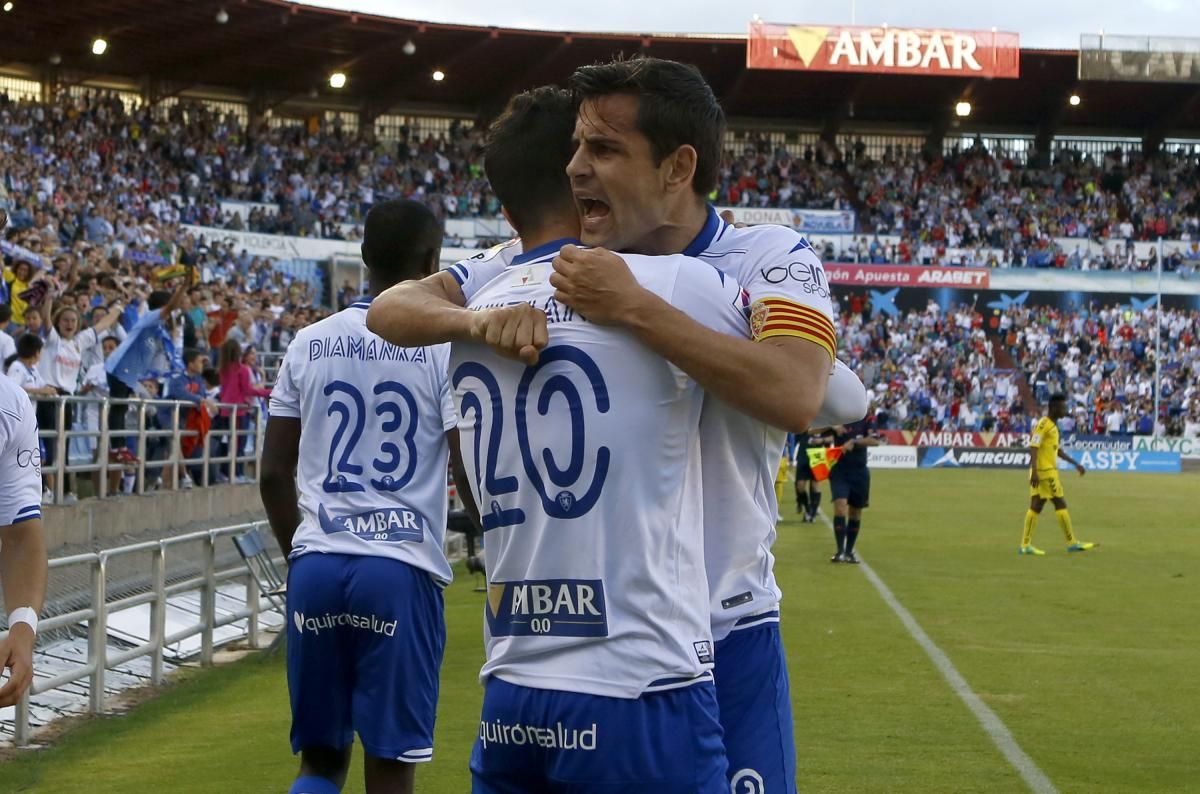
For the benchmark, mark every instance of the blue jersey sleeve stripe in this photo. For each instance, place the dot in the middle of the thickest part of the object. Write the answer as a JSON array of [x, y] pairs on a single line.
[[455, 271]]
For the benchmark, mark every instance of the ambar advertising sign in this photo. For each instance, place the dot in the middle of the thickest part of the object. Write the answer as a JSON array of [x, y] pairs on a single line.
[[883, 50]]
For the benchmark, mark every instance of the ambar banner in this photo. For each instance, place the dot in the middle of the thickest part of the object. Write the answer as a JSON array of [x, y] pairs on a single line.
[[907, 276], [883, 50]]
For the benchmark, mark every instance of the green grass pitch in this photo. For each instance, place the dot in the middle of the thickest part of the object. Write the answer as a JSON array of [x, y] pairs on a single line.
[[1091, 660]]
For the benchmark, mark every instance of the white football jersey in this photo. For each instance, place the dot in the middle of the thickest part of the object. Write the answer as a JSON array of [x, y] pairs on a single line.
[[373, 451], [20, 456], [789, 296], [586, 471]]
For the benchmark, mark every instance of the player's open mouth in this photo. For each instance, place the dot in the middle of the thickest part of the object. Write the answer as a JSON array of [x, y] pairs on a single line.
[[593, 209]]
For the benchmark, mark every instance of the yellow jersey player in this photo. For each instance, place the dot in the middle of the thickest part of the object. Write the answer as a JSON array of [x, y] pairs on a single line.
[[1044, 482]]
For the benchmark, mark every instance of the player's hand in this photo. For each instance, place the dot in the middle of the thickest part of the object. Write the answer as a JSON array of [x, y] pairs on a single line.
[[16, 653], [1079, 468], [517, 331], [849, 445], [597, 284], [1033, 480]]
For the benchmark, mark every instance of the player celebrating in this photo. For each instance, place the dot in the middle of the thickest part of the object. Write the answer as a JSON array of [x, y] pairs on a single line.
[[1044, 483], [365, 428], [649, 146], [599, 648]]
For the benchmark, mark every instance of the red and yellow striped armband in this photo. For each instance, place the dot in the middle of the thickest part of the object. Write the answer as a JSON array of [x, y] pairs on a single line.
[[783, 317]]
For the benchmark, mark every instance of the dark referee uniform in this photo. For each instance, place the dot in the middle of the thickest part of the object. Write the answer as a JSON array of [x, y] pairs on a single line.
[[850, 479]]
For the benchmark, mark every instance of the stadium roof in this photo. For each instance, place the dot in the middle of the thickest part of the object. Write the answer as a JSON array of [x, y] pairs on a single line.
[[275, 50]]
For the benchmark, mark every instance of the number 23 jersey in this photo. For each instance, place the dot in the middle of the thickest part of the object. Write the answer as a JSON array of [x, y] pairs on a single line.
[[373, 450], [586, 471]]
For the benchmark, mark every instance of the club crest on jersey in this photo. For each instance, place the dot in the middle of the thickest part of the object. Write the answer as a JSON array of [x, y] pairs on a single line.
[[547, 607], [758, 318], [385, 525], [565, 500]]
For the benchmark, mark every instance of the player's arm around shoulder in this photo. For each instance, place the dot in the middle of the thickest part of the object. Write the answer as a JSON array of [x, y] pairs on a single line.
[[749, 376]]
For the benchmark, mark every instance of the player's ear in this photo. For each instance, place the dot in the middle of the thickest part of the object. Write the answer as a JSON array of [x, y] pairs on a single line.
[[679, 168]]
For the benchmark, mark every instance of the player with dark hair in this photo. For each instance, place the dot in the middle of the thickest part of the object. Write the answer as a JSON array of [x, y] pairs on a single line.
[[354, 486], [647, 152], [1044, 482], [597, 619]]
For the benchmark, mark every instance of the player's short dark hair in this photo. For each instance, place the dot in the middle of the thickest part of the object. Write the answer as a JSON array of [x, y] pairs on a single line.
[[676, 107], [1058, 397], [401, 238], [526, 153]]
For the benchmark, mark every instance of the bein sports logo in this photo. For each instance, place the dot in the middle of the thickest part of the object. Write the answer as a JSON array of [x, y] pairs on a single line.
[[329, 620]]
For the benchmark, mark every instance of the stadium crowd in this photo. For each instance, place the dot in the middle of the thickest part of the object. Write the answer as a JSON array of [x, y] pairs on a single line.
[[979, 207], [96, 194], [937, 370]]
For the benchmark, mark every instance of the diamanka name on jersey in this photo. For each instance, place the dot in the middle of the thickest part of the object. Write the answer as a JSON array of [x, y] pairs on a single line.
[[362, 348]]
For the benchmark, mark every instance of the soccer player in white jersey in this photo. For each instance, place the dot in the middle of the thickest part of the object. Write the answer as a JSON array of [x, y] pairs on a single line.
[[22, 549], [649, 145], [586, 469], [363, 430]]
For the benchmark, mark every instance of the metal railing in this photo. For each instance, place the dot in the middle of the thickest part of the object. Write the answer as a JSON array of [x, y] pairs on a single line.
[[142, 433], [100, 657], [268, 364]]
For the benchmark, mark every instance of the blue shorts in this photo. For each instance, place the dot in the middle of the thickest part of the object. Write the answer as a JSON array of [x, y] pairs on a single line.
[[364, 648], [756, 708], [553, 742], [851, 484]]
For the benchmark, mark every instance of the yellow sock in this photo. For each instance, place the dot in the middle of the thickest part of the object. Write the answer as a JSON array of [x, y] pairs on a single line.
[[1031, 519], [1064, 521]]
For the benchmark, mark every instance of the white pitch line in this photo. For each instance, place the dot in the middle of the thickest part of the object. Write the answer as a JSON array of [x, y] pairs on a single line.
[[996, 730]]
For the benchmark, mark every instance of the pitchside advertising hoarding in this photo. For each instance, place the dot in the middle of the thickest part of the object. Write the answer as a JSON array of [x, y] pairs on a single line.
[[908, 276], [883, 50], [1092, 460], [887, 457]]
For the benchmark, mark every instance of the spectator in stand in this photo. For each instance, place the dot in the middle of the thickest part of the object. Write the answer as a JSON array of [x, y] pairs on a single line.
[[189, 386], [149, 351], [237, 388]]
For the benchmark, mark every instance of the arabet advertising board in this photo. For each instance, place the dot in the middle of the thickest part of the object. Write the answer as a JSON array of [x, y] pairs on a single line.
[[907, 276], [883, 50]]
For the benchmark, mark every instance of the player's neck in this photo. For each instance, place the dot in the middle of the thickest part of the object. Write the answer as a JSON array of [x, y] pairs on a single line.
[[536, 236], [680, 229]]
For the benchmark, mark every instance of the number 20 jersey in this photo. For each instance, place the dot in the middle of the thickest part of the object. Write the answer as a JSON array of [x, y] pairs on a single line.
[[373, 451], [586, 471], [789, 295]]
